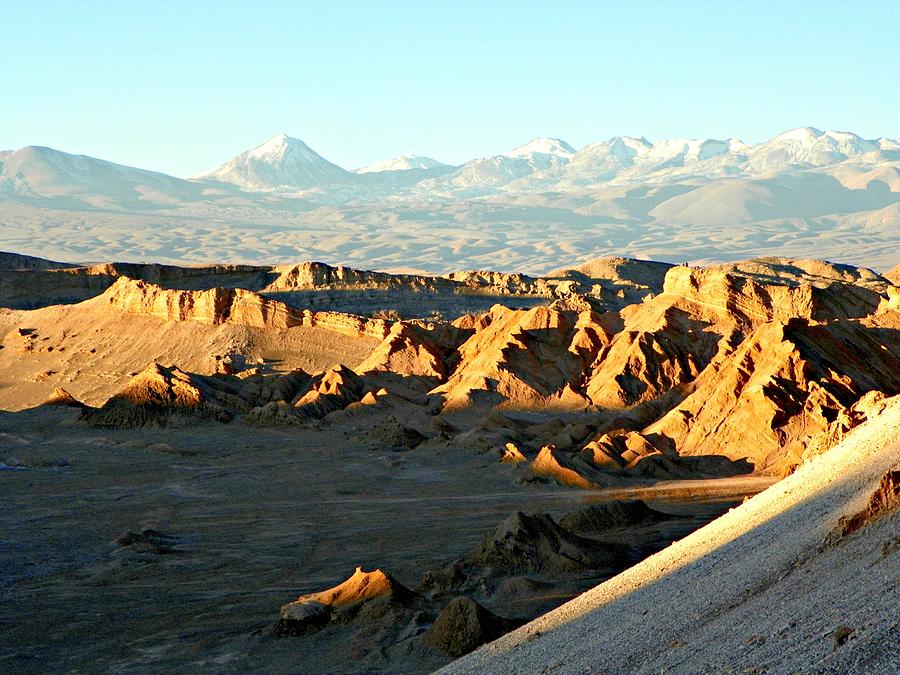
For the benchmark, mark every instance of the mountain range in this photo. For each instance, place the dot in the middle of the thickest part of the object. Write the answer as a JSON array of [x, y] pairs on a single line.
[[814, 192]]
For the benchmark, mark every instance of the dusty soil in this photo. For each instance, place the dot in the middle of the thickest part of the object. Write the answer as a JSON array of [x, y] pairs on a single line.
[[228, 523]]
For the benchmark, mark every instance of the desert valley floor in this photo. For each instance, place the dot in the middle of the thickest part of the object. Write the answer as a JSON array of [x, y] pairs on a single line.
[[314, 468]]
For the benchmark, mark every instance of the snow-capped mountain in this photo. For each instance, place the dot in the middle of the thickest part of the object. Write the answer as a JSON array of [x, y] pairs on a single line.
[[804, 193], [554, 147], [605, 160], [807, 146], [626, 158], [281, 162], [402, 163], [622, 160], [288, 165], [540, 154], [38, 171]]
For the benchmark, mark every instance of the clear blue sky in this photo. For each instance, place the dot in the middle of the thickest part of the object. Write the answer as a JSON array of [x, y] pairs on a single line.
[[182, 86]]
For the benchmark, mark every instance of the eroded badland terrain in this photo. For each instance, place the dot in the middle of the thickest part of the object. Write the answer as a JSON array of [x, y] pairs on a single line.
[[311, 468]]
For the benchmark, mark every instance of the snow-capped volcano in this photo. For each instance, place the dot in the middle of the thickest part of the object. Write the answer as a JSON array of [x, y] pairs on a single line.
[[543, 146], [281, 162], [803, 192], [285, 164], [402, 163]]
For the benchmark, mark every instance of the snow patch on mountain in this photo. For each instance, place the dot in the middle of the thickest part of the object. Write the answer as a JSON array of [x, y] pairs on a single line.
[[402, 163], [282, 162], [543, 146]]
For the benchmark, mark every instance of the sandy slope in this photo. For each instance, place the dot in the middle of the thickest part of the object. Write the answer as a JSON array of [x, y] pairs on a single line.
[[93, 350], [763, 568]]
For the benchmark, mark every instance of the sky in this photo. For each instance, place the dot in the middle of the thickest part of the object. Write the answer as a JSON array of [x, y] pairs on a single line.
[[181, 87]]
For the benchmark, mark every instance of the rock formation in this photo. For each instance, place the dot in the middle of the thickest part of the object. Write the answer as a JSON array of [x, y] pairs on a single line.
[[464, 625], [231, 305], [600, 518], [312, 611], [392, 434], [408, 349], [60, 397], [689, 371], [332, 390], [893, 275], [16, 262], [160, 396], [524, 359], [524, 545], [512, 454], [548, 464]]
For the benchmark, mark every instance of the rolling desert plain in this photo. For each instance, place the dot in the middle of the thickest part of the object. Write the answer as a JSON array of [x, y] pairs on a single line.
[[628, 408]]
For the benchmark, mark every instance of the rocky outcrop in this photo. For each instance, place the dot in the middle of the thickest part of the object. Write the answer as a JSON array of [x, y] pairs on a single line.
[[512, 455], [893, 275], [29, 283], [360, 587], [794, 272], [524, 359], [319, 276], [612, 282], [312, 611], [162, 396], [884, 500], [16, 262], [260, 390], [332, 390], [781, 389], [60, 397], [667, 341], [392, 434], [750, 302], [548, 464], [600, 518], [647, 273], [532, 545], [619, 449], [501, 283], [464, 625], [200, 277], [523, 561], [231, 305], [408, 349], [34, 288], [315, 276]]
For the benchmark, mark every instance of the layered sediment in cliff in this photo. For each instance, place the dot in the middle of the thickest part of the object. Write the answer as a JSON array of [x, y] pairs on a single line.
[[231, 305]]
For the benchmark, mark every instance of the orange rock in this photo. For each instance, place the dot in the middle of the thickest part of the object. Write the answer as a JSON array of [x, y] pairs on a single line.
[[547, 464], [512, 454]]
